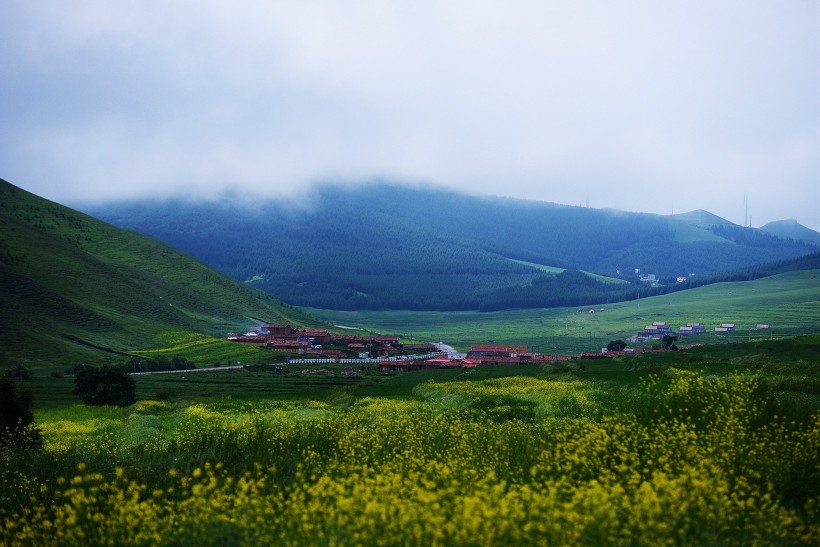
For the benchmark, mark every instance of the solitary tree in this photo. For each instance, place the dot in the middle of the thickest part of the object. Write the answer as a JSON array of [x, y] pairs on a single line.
[[668, 342], [616, 345], [107, 385]]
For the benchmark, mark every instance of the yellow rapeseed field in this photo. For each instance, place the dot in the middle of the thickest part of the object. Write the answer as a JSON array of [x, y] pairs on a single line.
[[707, 464]]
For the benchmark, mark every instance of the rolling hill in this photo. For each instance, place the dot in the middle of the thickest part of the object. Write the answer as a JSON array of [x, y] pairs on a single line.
[[76, 290], [384, 246], [791, 229]]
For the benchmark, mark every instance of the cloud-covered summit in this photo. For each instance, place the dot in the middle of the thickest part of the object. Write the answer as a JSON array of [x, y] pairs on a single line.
[[655, 107]]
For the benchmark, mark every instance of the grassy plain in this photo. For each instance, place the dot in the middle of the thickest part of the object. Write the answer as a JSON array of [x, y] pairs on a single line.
[[789, 303]]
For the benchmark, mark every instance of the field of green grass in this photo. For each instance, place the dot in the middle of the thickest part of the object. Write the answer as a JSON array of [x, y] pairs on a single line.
[[789, 303]]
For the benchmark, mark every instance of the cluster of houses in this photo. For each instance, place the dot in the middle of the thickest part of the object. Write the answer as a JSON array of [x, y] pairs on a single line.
[[387, 352], [659, 329], [479, 354], [313, 342]]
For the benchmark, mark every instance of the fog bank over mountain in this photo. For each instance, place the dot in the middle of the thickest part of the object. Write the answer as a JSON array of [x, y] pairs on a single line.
[[641, 106]]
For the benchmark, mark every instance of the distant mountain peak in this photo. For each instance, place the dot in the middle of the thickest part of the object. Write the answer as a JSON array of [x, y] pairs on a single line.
[[791, 229], [702, 218]]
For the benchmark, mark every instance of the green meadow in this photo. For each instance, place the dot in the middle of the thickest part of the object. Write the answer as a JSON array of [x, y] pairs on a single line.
[[789, 303]]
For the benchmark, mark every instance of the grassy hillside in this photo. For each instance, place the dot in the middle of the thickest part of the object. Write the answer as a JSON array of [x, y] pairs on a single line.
[[789, 303], [383, 246], [791, 229], [76, 290]]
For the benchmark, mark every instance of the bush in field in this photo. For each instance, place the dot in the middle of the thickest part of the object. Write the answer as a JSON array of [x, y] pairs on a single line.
[[16, 417], [107, 385]]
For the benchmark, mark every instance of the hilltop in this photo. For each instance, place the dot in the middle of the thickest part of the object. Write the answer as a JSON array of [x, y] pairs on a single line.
[[74, 289], [384, 246], [791, 229]]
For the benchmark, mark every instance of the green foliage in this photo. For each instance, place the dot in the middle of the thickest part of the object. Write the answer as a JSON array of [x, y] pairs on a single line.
[[668, 342], [616, 345], [158, 363], [106, 385], [684, 457], [16, 417]]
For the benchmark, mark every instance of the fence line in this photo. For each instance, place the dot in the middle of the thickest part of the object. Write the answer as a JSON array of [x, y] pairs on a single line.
[[362, 361]]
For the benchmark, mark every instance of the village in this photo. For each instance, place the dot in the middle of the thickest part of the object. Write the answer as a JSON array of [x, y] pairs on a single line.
[[316, 346], [658, 329], [320, 346]]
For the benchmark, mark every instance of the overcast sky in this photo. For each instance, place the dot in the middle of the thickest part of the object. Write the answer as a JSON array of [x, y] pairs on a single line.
[[653, 106]]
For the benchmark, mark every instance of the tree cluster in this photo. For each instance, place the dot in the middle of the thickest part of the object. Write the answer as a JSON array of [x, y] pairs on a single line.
[[107, 385], [156, 364], [16, 416]]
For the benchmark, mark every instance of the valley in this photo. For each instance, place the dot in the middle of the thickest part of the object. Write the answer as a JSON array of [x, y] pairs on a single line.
[[789, 303], [270, 446], [400, 274]]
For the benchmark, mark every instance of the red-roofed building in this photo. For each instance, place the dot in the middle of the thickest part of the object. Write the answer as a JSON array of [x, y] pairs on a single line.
[[420, 347], [287, 346], [487, 350]]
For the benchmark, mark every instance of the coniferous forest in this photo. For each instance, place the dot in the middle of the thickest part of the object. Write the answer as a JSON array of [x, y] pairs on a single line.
[[381, 246]]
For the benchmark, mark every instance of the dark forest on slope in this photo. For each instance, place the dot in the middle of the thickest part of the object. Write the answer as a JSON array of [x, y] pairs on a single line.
[[383, 246]]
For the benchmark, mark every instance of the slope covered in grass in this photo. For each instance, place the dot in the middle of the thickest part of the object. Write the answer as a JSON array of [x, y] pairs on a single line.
[[76, 290]]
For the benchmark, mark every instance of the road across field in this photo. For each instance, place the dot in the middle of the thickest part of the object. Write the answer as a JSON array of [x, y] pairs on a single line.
[[209, 369]]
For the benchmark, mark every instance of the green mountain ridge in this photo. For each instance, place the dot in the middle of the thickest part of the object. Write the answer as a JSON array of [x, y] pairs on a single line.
[[387, 246], [791, 229], [74, 289]]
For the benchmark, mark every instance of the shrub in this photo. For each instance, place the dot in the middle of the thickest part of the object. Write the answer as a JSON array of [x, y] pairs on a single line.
[[16, 416], [107, 385]]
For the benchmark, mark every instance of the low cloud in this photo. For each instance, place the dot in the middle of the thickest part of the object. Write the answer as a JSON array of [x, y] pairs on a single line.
[[641, 106]]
